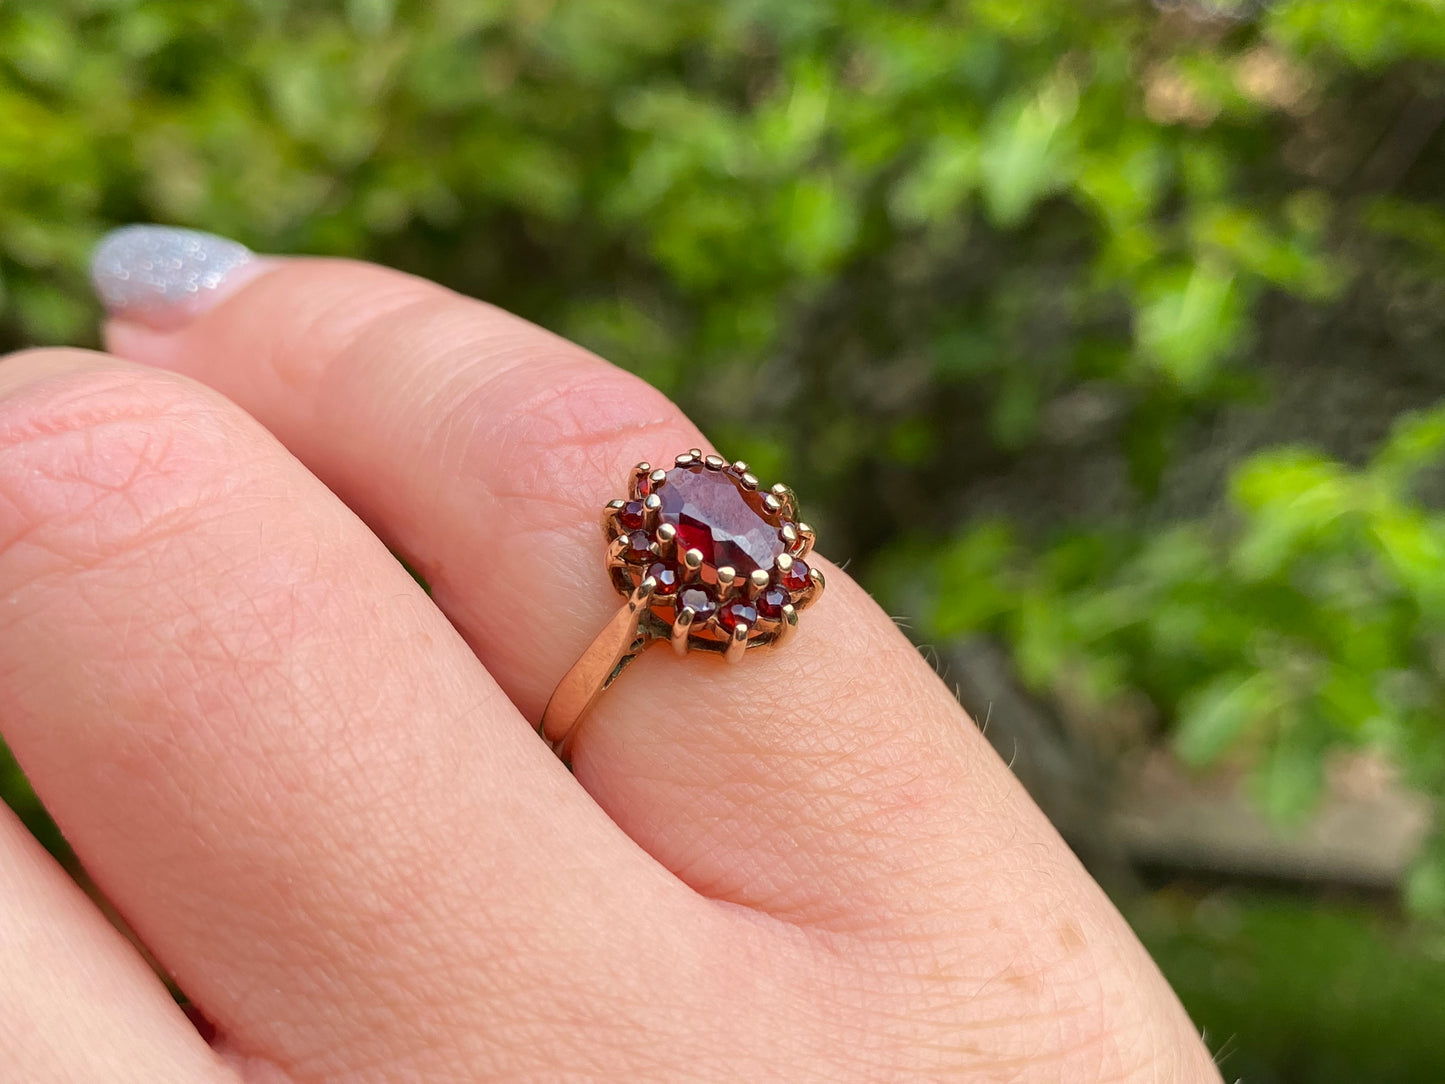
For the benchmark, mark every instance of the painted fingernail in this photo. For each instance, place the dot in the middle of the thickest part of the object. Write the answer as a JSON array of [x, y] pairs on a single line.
[[164, 276]]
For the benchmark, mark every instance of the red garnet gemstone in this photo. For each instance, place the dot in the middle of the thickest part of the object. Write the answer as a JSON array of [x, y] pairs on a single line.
[[666, 577], [772, 601], [633, 516], [714, 514], [639, 546], [698, 601], [737, 613], [797, 578]]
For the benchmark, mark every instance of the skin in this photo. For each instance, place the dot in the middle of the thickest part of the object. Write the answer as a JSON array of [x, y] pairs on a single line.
[[316, 796]]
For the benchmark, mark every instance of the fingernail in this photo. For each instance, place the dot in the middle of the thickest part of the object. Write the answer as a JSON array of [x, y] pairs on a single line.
[[164, 276]]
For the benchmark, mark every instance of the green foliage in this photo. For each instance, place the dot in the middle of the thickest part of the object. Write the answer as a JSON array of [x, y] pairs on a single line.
[[702, 172], [1312, 617], [1368, 35], [1287, 992]]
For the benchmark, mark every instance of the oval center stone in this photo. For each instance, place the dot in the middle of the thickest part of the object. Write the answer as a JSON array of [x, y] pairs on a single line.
[[714, 514]]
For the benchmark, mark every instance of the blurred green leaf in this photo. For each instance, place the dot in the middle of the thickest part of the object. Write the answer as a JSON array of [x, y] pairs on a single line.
[[1291, 776], [371, 18], [1214, 716], [1024, 152], [820, 223], [1191, 321], [1425, 888]]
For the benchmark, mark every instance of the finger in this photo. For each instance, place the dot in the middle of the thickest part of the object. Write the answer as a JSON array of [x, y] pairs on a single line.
[[280, 761], [77, 1002], [809, 779], [835, 784]]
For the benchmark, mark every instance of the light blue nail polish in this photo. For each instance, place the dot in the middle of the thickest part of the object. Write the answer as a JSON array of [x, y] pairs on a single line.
[[164, 275]]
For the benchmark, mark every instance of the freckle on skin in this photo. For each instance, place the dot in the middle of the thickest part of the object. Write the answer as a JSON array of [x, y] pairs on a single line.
[[1071, 936], [1021, 981]]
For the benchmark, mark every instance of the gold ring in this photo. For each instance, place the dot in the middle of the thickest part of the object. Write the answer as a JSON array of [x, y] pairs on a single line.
[[706, 560]]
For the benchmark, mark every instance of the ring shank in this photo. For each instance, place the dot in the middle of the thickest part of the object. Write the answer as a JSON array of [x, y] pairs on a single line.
[[619, 642]]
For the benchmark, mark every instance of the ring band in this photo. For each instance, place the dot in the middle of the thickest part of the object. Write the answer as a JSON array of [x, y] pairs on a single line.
[[705, 560]]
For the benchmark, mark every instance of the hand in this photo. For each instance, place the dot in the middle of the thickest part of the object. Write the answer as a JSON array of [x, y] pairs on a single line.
[[316, 795]]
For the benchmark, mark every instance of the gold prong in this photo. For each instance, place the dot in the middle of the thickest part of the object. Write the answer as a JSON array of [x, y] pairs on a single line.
[[696, 453], [681, 627], [658, 476], [615, 549], [666, 535], [750, 481], [691, 565], [740, 467], [714, 462], [805, 541], [643, 594], [772, 504], [787, 624], [727, 585], [790, 534], [737, 643], [787, 498], [651, 505], [758, 581], [610, 527], [814, 590], [686, 459], [784, 563], [634, 483]]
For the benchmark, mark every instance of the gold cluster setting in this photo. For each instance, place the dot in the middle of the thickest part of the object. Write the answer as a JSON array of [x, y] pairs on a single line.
[[707, 558]]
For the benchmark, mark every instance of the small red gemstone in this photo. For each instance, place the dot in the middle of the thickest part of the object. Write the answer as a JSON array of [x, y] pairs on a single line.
[[666, 577], [737, 613], [772, 601], [698, 601], [633, 516], [797, 578], [639, 546]]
